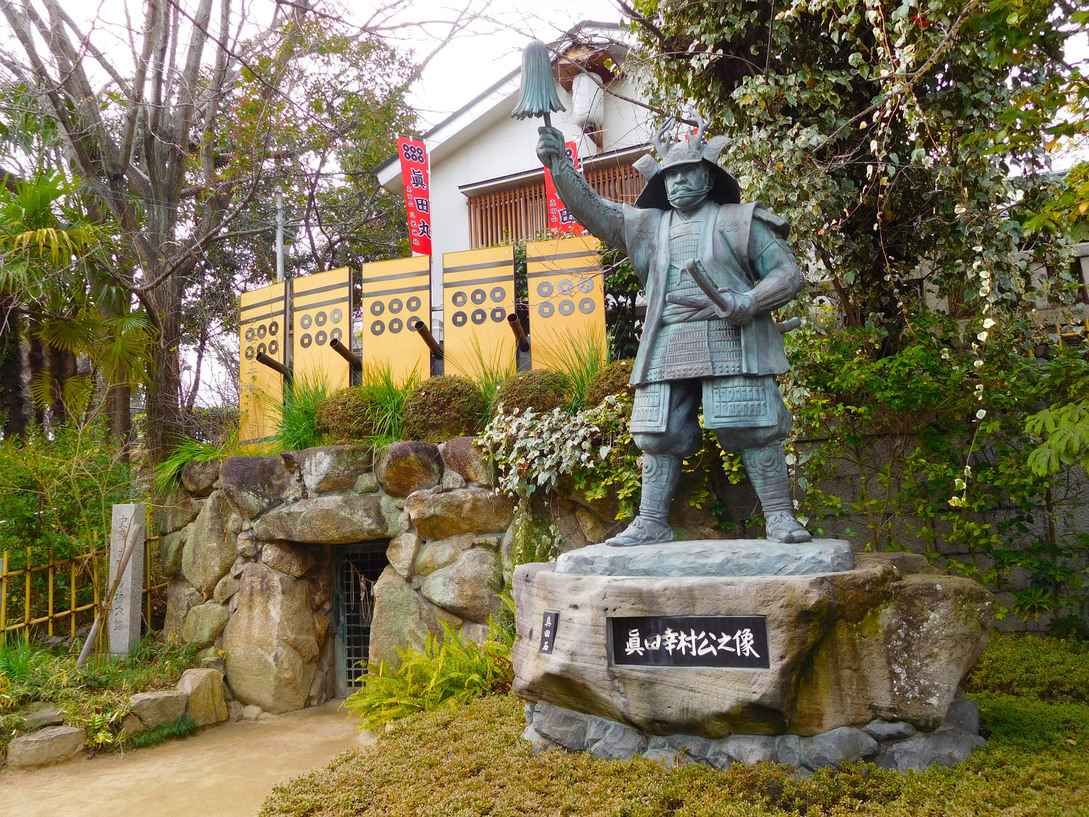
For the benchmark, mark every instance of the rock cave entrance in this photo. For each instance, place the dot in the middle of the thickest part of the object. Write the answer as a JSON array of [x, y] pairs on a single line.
[[357, 567]]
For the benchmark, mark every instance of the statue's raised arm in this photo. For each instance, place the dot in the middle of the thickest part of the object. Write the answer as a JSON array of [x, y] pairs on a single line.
[[600, 216]]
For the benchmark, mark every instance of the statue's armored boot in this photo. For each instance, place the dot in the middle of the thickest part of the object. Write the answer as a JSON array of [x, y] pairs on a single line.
[[660, 477], [767, 470]]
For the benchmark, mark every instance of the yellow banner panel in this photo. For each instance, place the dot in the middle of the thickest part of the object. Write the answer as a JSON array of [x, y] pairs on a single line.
[[396, 294], [477, 295], [321, 306], [260, 329], [566, 299]]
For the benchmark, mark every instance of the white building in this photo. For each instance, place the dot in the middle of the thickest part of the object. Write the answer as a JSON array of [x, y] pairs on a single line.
[[487, 185]]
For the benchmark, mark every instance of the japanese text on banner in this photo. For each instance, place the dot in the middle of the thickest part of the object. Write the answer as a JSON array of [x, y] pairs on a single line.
[[560, 220], [414, 174]]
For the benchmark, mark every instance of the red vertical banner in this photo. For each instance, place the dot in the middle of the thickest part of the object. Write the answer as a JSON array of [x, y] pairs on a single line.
[[560, 220], [414, 174]]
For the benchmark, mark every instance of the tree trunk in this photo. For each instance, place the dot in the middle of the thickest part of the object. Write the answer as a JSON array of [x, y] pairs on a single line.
[[35, 366], [12, 396], [62, 365]]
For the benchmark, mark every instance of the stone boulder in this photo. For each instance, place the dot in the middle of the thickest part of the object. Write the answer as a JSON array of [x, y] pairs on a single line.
[[402, 620], [441, 553], [54, 744], [406, 467], [156, 708], [198, 478], [333, 467], [206, 703], [204, 623], [170, 551], [177, 511], [467, 587], [402, 552], [41, 713], [468, 510], [843, 649], [330, 520], [181, 597], [462, 456], [273, 640], [253, 485], [287, 558], [209, 547]]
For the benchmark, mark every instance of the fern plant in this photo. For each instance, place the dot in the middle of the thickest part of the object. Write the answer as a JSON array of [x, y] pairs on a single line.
[[448, 673]]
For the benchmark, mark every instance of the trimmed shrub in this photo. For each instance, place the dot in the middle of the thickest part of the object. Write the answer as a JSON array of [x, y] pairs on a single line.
[[540, 389], [612, 379], [1049, 669], [442, 408], [346, 415]]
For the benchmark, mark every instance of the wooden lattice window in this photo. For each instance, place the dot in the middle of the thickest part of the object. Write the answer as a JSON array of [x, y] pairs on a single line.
[[506, 216]]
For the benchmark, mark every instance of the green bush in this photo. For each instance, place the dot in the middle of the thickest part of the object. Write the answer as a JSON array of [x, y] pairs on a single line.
[[447, 673], [611, 379], [442, 408], [540, 389], [1050, 669], [57, 490]]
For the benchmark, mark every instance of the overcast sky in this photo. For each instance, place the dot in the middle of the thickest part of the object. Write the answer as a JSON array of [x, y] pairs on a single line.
[[474, 61]]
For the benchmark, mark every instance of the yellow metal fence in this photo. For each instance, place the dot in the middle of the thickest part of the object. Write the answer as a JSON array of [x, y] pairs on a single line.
[[57, 597]]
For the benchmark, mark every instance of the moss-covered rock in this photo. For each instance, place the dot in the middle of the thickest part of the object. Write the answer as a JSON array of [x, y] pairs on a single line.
[[442, 408], [540, 389], [611, 379]]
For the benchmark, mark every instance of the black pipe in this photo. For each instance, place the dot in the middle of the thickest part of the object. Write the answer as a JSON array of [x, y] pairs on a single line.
[[276, 366], [354, 363], [428, 338], [515, 325]]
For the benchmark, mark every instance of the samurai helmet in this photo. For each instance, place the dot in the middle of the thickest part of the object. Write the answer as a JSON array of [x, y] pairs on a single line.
[[673, 153]]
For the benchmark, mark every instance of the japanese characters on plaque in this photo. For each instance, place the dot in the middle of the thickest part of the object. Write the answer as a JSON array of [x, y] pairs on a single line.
[[738, 642], [550, 621], [414, 174], [560, 220]]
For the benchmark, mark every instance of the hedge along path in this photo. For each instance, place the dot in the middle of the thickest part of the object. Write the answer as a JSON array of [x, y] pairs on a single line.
[[229, 768]]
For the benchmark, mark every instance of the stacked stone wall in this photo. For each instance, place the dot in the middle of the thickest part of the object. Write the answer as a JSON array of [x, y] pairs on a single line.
[[249, 546]]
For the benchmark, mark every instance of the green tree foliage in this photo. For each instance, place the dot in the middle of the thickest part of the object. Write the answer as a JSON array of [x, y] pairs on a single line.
[[57, 491], [203, 111], [906, 141]]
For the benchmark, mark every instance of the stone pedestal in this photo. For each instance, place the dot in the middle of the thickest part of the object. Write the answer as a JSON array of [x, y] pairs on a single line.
[[847, 644]]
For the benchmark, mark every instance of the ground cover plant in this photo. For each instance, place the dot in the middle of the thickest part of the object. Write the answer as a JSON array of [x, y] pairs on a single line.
[[471, 761], [94, 696]]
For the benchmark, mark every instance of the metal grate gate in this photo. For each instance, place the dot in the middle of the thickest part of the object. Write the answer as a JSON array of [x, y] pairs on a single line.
[[358, 568]]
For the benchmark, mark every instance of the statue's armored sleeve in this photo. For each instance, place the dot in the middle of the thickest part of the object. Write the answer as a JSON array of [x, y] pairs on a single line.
[[779, 276], [603, 218]]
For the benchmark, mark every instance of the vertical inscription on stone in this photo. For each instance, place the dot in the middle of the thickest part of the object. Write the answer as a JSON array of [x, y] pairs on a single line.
[[738, 642], [548, 630], [125, 614]]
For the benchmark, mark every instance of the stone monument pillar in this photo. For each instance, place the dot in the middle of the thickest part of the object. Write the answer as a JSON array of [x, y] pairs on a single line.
[[126, 614]]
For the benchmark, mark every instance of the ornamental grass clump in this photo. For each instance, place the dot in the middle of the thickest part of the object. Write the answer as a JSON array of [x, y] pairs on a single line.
[[442, 408], [371, 412]]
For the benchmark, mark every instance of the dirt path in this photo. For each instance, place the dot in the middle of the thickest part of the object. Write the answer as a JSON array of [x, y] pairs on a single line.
[[227, 770]]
